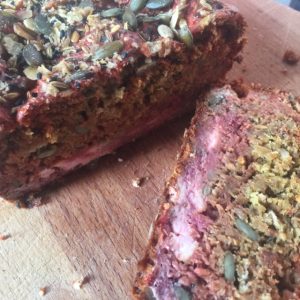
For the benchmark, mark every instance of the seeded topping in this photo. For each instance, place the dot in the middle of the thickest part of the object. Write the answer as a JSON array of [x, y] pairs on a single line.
[[66, 41]]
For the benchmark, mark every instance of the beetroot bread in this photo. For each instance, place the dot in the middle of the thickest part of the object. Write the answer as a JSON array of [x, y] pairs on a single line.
[[80, 78], [229, 225]]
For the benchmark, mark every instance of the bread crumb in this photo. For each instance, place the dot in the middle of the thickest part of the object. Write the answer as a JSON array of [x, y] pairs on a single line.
[[138, 182], [42, 291], [290, 57], [4, 237], [120, 159], [77, 285], [240, 88]]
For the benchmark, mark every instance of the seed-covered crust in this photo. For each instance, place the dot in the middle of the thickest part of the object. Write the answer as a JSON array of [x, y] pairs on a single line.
[[82, 75], [229, 226]]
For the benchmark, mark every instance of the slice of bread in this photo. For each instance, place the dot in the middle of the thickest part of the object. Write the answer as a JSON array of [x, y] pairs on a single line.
[[229, 224]]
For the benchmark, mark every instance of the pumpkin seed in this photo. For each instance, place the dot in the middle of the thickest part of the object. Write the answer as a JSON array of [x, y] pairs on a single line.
[[181, 293], [112, 12], [184, 34], [43, 24], [246, 229], [108, 50], [130, 18], [47, 152], [86, 3], [78, 75], [165, 31], [149, 294], [23, 32], [158, 4], [229, 267], [32, 56], [137, 5], [164, 18], [7, 21]]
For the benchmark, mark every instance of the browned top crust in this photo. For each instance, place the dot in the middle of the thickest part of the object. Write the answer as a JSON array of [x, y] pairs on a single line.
[[56, 47]]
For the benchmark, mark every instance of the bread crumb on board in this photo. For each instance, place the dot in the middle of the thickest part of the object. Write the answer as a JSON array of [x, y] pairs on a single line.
[[138, 182], [42, 291], [4, 237], [290, 57], [78, 284]]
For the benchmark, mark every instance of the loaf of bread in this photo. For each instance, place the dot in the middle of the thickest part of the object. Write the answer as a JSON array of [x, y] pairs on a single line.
[[80, 78], [229, 224]]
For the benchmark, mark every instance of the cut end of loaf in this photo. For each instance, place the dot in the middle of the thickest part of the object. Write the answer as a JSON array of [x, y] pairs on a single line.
[[229, 224]]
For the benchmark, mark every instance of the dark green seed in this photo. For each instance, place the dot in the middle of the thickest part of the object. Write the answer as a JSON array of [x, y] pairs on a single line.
[[32, 56], [158, 4], [148, 293], [112, 12], [181, 293], [108, 50], [130, 18], [43, 25], [229, 267], [247, 230], [7, 21], [185, 35], [137, 5], [164, 18], [49, 151]]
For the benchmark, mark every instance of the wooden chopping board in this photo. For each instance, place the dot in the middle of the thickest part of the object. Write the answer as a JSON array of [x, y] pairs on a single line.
[[96, 224]]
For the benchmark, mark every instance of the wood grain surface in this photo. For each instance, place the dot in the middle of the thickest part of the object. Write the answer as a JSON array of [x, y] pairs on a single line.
[[95, 224]]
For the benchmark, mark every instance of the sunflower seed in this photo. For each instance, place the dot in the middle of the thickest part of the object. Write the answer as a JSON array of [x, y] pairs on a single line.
[[137, 5], [184, 34], [59, 85], [174, 18], [43, 24], [30, 24], [31, 73], [130, 18], [108, 50], [11, 96], [229, 267], [7, 21], [181, 293], [112, 12], [158, 4], [165, 31], [246, 229], [32, 56], [75, 37], [49, 151], [23, 32]]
